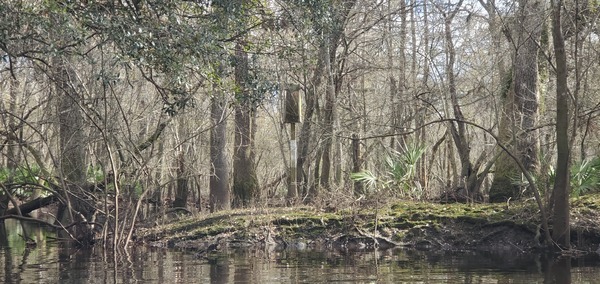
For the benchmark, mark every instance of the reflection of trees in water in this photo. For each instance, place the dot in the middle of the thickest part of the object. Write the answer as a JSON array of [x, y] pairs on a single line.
[[5, 253], [219, 270], [136, 265], [53, 264], [558, 270], [3, 235], [18, 241], [73, 265]]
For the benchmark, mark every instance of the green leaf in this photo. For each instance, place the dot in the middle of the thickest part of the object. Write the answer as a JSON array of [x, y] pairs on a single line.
[[367, 177]]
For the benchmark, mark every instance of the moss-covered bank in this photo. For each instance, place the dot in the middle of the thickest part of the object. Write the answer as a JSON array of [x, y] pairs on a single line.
[[420, 225]]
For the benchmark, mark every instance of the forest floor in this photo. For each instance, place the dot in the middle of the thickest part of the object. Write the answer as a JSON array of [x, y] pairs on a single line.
[[502, 228]]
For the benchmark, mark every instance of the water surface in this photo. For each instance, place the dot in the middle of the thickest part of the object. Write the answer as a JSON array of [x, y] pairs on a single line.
[[51, 262]]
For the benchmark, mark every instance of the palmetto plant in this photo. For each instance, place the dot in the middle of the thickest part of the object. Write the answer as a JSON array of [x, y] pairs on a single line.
[[21, 175], [399, 173], [366, 177], [585, 176]]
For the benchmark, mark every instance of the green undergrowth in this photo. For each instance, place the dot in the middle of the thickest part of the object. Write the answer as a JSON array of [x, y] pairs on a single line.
[[397, 218], [241, 221]]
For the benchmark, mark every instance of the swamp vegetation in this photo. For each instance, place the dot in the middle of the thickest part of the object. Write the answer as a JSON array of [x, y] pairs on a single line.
[[446, 125]]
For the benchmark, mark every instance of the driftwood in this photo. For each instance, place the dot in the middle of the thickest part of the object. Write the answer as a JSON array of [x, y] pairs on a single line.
[[29, 219], [29, 206], [79, 227]]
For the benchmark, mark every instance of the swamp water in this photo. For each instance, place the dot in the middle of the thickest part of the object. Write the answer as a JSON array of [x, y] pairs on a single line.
[[48, 262]]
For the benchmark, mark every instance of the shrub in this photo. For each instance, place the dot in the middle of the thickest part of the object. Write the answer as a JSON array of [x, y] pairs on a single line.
[[398, 175]]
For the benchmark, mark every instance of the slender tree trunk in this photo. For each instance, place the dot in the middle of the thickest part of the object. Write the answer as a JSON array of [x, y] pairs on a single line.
[[356, 163], [12, 149], [561, 229], [328, 119], [399, 103], [304, 139], [468, 175], [245, 182], [422, 113], [393, 83], [427, 51], [219, 178], [334, 81]]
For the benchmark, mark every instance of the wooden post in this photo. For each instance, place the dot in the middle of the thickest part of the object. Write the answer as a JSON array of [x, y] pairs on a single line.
[[293, 184]]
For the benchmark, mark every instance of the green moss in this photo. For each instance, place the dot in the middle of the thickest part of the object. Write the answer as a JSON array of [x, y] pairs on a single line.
[[398, 236], [392, 220]]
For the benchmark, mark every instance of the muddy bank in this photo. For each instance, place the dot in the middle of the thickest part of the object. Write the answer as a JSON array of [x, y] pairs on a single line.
[[497, 228]]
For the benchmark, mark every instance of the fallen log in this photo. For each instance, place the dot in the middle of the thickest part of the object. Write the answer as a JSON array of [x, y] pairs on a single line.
[[29, 206]]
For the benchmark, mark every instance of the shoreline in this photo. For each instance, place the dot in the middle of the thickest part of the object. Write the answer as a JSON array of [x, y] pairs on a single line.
[[490, 228]]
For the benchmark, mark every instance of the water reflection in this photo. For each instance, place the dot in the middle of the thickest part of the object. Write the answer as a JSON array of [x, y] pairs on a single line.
[[219, 270], [4, 250], [49, 262], [558, 271]]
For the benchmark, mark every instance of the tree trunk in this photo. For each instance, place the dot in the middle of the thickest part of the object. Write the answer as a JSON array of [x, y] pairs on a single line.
[[182, 183], [70, 126], [219, 178], [503, 80], [245, 182], [399, 96], [328, 120], [72, 144], [356, 164], [334, 81], [304, 139], [520, 105], [561, 229], [12, 150], [393, 84], [422, 166], [467, 181], [182, 187]]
